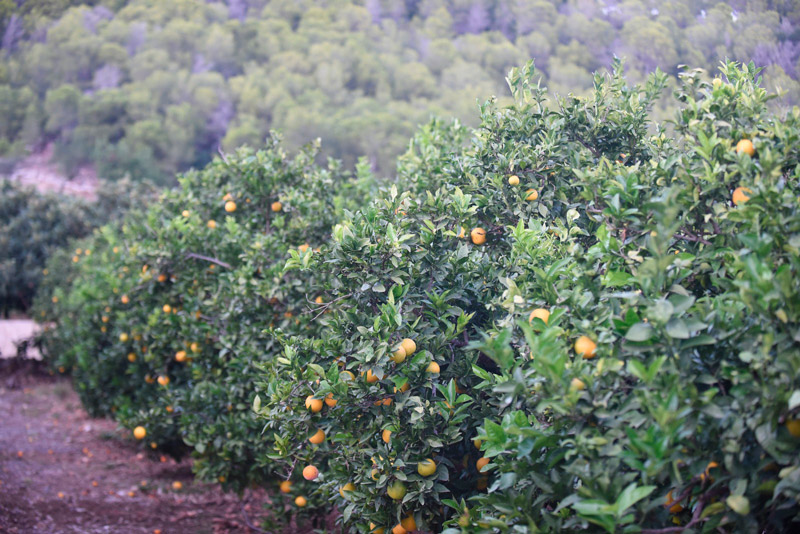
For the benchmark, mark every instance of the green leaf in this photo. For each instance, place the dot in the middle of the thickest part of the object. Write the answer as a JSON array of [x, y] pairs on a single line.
[[739, 504], [639, 332]]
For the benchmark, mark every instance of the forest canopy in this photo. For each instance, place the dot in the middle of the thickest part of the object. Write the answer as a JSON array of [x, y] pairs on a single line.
[[148, 88]]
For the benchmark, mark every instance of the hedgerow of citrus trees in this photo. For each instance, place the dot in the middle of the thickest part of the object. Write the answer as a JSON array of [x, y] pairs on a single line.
[[573, 323], [163, 326]]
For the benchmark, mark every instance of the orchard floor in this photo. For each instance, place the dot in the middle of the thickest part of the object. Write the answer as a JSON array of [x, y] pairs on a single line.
[[64, 472]]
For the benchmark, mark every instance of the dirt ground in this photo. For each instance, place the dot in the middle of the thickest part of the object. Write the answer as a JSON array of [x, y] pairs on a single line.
[[63, 472], [13, 331]]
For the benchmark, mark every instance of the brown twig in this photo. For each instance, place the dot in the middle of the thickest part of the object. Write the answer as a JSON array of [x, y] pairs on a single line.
[[206, 258]]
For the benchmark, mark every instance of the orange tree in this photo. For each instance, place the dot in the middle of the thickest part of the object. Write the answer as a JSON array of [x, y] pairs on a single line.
[[416, 281], [659, 393], [163, 325]]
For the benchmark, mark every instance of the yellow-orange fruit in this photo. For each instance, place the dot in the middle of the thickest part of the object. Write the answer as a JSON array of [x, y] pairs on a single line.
[[310, 472], [180, 356], [212, 224], [386, 435], [286, 486], [577, 384], [746, 146], [330, 401], [276, 206], [315, 405], [513, 180], [347, 487], [318, 437], [793, 426], [426, 467], [481, 463], [585, 347], [531, 194], [433, 367], [740, 195], [409, 346], [230, 206], [478, 236], [371, 378], [300, 501], [399, 356], [163, 380], [539, 313], [139, 432]]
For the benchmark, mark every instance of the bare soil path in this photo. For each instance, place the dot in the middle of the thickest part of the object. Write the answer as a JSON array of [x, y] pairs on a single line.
[[64, 472]]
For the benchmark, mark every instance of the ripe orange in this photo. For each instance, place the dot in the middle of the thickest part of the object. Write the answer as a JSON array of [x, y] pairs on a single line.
[[398, 529], [433, 367], [227, 197], [793, 426], [180, 356], [347, 375], [408, 523], [318, 437], [674, 506], [185, 213], [374, 529], [149, 379], [123, 337], [386, 435], [276, 206], [481, 463], [585, 347], [166, 308], [462, 233], [477, 443], [330, 401], [531, 194], [230, 206], [513, 180], [170, 409], [371, 378], [131, 357], [746, 146], [310, 472], [539, 313], [163, 380], [478, 236], [302, 248], [177, 485], [212, 224], [347, 487], [162, 278], [399, 356], [286, 486], [315, 405], [125, 299], [139, 432], [300, 501], [426, 467], [740, 196], [482, 483], [409, 346], [577, 384]]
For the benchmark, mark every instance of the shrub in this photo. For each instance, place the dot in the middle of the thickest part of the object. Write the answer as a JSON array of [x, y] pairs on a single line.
[[570, 319]]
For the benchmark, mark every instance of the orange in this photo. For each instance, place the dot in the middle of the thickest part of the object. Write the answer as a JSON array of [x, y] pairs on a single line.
[[513, 180], [532, 194], [386, 435], [398, 529], [318, 437], [539, 313], [185, 213], [276, 206], [139, 432], [347, 487], [180, 356], [740, 196], [433, 367], [131, 357], [123, 337], [477, 443], [302, 248], [300, 501], [177, 485], [286, 486], [319, 300], [577, 384], [462, 233], [409, 346], [163, 380], [746, 146], [230, 206], [227, 197], [125, 299], [371, 378], [310, 472], [478, 236], [482, 483], [399, 356], [212, 224], [162, 278], [169, 409], [330, 401], [673, 505], [375, 529], [793, 426], [195, 347], [481, 463], [349, 375], [397, 490], [409, 523], [315, 405], [426, 467], [166, 308], [585, 347]]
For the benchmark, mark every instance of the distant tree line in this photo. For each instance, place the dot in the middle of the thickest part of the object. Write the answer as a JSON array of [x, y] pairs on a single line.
[[147, 88]]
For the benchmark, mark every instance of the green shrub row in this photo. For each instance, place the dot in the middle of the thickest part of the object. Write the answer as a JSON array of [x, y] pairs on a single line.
[[569, 319]]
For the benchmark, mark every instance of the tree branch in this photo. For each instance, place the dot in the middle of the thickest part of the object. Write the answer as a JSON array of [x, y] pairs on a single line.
[[206, 258]]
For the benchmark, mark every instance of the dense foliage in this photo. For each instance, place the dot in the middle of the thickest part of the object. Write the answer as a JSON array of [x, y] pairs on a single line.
[[563, 321], [150, 88], [34, 225]]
